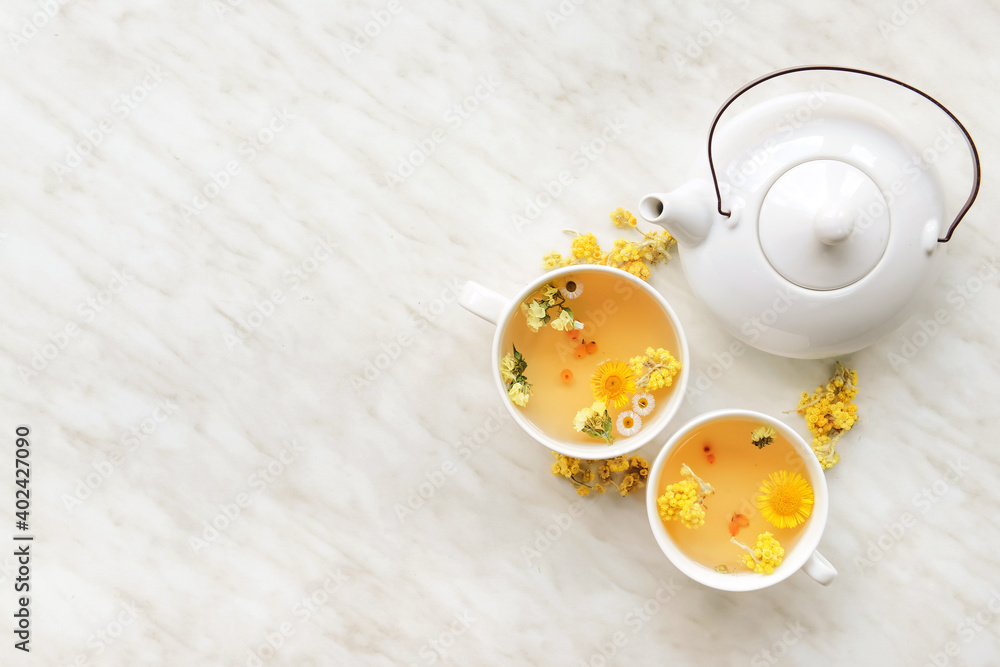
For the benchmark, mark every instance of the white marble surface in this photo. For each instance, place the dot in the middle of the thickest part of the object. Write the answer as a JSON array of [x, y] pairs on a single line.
[[158, 414]]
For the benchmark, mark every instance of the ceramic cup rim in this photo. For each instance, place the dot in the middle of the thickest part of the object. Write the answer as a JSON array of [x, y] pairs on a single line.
[[750, 581], [625, 445]]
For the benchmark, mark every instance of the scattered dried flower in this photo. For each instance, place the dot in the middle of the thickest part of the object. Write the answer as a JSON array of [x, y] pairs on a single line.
[[635, 257], [830, 412], [579, 472], [622, 218]]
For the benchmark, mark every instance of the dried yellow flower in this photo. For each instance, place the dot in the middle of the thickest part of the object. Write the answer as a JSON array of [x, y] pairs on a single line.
[[762, 436], [654, 370], [635, 257], [640, 465], [553, 260], [765, 555], [830, 412], [685, 499], [629, 482], [585, 247], [622, 218], [625, 252], [512, 368], [638, 269], [579, 472], [618, 464]]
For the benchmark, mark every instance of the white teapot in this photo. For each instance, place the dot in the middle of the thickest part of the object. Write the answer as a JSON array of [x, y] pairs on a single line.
[[810, 239]]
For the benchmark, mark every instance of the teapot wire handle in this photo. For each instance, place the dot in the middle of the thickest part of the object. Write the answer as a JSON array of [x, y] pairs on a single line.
[[836, 68]]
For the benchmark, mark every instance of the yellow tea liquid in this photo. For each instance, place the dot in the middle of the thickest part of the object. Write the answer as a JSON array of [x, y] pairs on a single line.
[[617, 315], [736, 472]]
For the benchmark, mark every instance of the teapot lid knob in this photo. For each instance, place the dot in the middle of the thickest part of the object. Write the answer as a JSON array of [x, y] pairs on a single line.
[[833, 224], [824, 224]]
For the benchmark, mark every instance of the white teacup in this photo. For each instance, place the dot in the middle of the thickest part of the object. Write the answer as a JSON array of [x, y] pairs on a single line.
[[500, 311], [803, 556]]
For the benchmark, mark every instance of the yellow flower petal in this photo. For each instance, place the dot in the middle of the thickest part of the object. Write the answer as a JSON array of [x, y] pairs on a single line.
[[785, 499], [613, 383]]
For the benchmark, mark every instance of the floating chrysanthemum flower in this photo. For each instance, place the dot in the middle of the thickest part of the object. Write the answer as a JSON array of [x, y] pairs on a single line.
[[572, 289], [512, 368], [582, 417], [519, 393], [629, 423], [612, 383], [643, 403], [507, 366], [595, 422], [785, 499], [762, 436], [564, 322], [534, 314]]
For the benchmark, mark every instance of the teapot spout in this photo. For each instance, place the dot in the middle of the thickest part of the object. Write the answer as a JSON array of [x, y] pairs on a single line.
[[687, 212]]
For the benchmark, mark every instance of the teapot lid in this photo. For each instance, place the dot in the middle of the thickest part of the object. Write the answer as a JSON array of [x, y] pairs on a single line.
[[824, 224]]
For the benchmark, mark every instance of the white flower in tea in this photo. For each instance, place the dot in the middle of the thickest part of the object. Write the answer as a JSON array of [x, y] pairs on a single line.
[[572, 289], [629, 423], [643, 403]]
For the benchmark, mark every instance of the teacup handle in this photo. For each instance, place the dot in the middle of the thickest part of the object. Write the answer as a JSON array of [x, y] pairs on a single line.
[[820, 569], [483, 301]]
